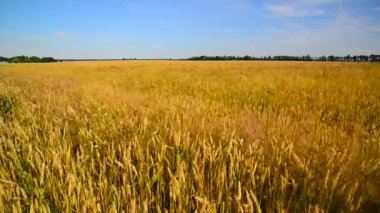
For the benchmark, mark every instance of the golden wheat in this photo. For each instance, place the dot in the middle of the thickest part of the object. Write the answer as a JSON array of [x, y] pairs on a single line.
[[190, 136]]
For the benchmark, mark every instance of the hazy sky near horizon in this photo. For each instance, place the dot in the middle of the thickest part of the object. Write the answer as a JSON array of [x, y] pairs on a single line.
[[184, 28]]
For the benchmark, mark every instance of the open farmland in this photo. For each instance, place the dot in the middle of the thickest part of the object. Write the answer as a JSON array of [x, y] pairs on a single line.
[[186, 136]]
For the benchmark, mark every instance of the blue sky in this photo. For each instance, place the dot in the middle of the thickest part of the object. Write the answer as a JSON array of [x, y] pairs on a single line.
[[184, 28]]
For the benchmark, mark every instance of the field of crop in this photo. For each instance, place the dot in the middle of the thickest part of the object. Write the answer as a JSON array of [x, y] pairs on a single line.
[[185, 136]]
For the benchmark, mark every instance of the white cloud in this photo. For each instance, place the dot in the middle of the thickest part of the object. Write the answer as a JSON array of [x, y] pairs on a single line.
[[321, 1], [292, 11], [63, 34], [299, 8], [374, 28], [345, 34]]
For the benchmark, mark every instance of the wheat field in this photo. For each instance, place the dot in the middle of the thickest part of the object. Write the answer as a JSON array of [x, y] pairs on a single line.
[[180, 136]]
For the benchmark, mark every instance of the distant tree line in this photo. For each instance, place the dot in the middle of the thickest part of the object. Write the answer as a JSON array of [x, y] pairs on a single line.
[[355, 58], [27, 59]]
